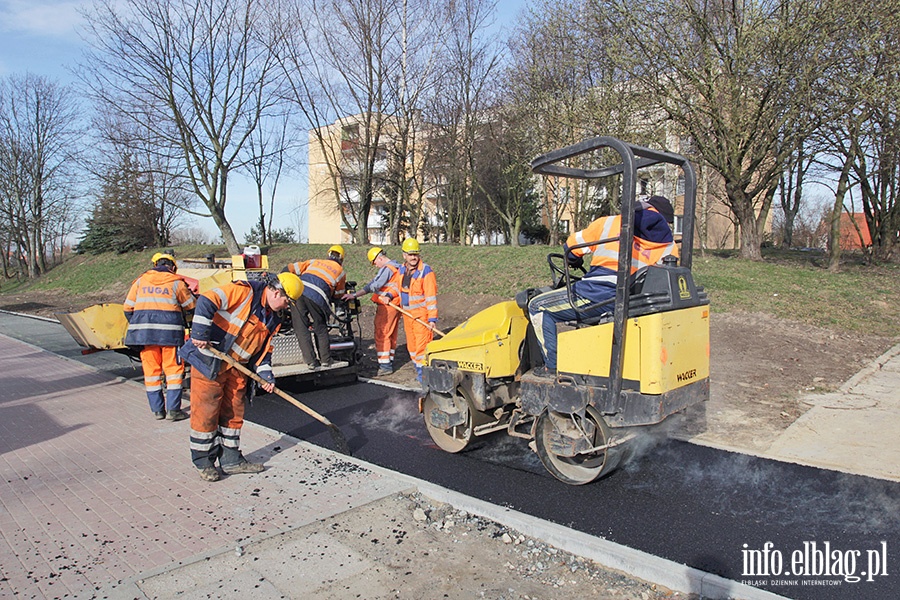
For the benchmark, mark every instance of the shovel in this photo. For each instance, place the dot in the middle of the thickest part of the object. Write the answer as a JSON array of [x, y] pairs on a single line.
[[414, 318], [339, 440]]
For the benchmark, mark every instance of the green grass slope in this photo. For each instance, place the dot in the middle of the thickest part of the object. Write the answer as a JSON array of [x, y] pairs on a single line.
[[791, 285]]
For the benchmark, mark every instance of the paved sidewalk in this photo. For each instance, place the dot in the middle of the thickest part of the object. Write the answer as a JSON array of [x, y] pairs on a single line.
[[855, 429], [92, 495]]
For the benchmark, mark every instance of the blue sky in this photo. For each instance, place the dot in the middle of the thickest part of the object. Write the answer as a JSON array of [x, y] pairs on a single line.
[[42, 36]]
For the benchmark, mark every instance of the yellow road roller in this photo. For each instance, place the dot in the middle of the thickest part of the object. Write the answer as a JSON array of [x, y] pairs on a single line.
[[618, 373]]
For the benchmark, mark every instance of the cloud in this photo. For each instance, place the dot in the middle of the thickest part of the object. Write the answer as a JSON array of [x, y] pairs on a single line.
[[44, 18]]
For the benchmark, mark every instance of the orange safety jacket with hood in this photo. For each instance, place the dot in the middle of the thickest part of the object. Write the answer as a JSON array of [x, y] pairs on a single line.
[[418, 291], [322, 279], [652, 241], [226, 317], [156, 309]]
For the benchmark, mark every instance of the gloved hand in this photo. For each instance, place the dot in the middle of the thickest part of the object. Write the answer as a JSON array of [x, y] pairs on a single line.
[[574, 261]]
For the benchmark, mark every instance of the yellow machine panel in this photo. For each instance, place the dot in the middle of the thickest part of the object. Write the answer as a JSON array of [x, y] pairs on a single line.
[[239, 269], [487, 343], [101, 326], [207, 279], [674, 346]]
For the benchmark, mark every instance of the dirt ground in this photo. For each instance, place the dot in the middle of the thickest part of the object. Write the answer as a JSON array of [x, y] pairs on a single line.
[[760, 368]]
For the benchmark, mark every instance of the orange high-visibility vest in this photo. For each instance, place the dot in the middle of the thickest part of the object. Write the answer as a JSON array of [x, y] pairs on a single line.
[[155, 308], [322, 278], [606, 255]]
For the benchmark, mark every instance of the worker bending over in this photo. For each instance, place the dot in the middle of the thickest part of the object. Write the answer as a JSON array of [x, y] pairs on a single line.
[[652, 241], [385, 290], [418, 296], [323, 280], [157, 307], [239, 319]]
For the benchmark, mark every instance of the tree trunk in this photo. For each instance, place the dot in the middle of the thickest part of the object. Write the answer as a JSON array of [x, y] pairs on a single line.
[[749, 234], [834, 232]]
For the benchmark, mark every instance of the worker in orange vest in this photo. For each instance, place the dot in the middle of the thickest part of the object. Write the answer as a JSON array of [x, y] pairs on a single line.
[[158, 305], [418, 296], [596, 290], [385, 290], [239, 319], [323, 280]]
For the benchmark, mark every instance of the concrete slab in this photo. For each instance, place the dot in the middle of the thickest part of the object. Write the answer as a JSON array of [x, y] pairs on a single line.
[[854, 430]]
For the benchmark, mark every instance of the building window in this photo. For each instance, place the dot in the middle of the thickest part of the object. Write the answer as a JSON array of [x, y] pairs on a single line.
[[349, 136], [678, 224], [679, 186], [564, 226]]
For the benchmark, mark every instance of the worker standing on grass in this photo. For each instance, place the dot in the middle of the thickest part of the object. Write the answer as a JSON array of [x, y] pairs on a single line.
[[385, 290], [418, 296], [323, 279], [595, 291], [157, 307], [238, 319]]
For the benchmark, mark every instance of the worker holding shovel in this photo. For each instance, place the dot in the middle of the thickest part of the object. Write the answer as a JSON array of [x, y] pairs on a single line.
[[238, 319], [418, 301]]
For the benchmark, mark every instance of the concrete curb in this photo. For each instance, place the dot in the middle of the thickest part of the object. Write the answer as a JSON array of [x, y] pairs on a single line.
[[650, 568], [27, 316], [873, 367]]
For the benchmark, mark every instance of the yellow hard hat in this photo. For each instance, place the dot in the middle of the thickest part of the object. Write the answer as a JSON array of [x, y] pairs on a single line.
[[291, 284], [336, 249], [410, 246], [162, 255], [373, 254]]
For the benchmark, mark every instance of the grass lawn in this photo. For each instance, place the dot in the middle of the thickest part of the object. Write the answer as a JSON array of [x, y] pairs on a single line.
[[792, 285]]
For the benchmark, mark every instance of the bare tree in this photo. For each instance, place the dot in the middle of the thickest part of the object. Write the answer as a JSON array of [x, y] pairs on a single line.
[[408, 181], [269, 151], [199, 73], [563, 72], [339, 57], [862, 100], [39, 139], [462, 101], [733, 76]]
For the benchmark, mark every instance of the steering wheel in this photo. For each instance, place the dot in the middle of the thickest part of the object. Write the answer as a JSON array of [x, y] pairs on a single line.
[[558, 271]]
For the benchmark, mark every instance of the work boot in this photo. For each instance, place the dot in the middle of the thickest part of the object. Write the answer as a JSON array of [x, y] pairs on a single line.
[[382, 371], [176, 415], [244, 466], [209, 474], [160, 415]]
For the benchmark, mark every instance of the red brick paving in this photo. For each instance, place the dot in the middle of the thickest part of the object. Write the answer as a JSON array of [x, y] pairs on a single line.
[[94, 491]]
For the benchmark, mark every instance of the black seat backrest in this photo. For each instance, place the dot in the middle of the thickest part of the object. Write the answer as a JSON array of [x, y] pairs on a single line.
[[657, 289]]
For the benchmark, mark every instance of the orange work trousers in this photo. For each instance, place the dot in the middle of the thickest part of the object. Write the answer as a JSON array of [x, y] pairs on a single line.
[[217, 414], [387, 326], [417, 337], [159, 361]]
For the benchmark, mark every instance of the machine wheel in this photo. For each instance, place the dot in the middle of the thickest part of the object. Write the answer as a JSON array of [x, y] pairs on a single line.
[[581, 468], [456, 438]]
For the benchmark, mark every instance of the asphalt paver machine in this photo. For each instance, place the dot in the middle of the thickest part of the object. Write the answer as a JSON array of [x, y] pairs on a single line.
[[617, 375], [103, 326]]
